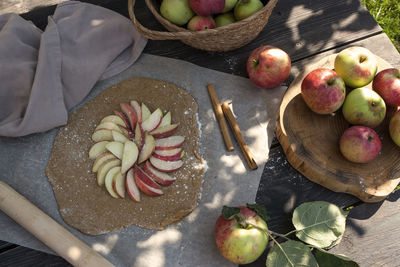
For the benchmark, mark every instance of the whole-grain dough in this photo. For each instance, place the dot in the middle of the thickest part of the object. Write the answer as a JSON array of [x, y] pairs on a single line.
[[88, 207]]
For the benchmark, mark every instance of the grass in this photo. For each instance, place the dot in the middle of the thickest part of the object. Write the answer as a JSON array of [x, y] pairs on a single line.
[[387, 14]]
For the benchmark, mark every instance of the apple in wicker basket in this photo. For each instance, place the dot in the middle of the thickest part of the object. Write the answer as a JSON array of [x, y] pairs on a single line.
[[246, 8], [176, 11], [198, 23], [206, 8], [268, 66], [323, 90], [224, 19]]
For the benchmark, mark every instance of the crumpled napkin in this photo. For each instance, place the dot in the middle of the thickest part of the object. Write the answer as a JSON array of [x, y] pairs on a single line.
[[44, 74]]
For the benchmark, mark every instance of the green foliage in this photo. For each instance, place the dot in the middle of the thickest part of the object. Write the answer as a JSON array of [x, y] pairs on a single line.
[[327, 259], [387, 14], [289, 254]]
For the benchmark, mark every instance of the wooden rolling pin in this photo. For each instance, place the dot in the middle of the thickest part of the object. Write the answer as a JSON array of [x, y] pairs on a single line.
[[48, 230]]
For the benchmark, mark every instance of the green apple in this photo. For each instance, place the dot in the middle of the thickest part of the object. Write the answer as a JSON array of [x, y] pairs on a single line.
[[246, 8], [356, 65], [229, 5], [394, 128], [224, 19], [176, 11], [363, 106]]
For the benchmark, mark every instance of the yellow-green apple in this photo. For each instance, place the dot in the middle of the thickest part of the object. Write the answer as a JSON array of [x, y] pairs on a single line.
[[224, 19], [164, 131], [360, 144], [101, 159], [139, 136], [145, 112], [97, 149], [146, 184], [104, 168], [138, 110], [363, 106], [236, 237], [323, 90], [118, 184], [170, 142], [113, 118], [394, 127], [102, 135], [166, 120], [229, 5], [152, 121], [123, 118], [131, 187], [160, 177], [176, 11], [199, 23], [116, 148], [108, 125], [356, 65], [164, 165], [206, 8], [108, 180], [129, 156], [148, 148], [387, 84], [169, 155], [268, 66], [119, 137], [245, 8], [130, 114]]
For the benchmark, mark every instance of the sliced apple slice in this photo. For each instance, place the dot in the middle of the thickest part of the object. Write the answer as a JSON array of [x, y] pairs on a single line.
[[123, 117], [146, 184], [152, 121], [108, 125], [170, 142], [102, 135], [113, 118], [108, 180], [160, 177], [119, 137], [165, 166], [166, 120], [169, 155], [145, 112], [104, 168], [101, 159], [116, 148], [97, 149], [130, 113], [129, 156], [139, 136], [148, 148], [164, 131], [138, 110], [118, 184], [131, 187]]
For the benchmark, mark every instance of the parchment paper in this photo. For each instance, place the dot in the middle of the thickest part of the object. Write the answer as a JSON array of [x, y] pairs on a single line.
[[227, 180]]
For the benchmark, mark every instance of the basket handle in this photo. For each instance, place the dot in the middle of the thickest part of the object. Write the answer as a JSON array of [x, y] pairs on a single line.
[[155, 35]]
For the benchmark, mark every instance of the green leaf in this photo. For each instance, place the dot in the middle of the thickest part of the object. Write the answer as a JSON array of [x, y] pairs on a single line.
[[292, 254], [327, 259], [260, 210], [319, 223], [229, 212]]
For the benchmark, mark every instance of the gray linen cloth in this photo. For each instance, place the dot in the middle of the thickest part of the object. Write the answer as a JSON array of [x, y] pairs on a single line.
[[44, 74]]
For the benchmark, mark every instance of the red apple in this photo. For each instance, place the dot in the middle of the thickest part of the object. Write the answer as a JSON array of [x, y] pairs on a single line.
[[160, 177], [165, 166], [239, 242], [131, 187], [148, 148], [387, 84], [199, 23], [323, 90], [394, 127], [170, 142], [164, 131], [123, 117], [268, 66], [138, 110], [360, 144], [146, 184], [152, 121], [130, 113], [169, 155], [206, 8]]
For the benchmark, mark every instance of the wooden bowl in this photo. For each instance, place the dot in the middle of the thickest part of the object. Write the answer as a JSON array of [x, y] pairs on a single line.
[[311, 145]]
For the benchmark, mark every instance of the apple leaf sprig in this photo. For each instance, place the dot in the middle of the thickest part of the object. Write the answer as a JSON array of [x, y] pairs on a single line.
[[319, 226]]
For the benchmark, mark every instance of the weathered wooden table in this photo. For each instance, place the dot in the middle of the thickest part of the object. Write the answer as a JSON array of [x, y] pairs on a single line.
[[307, 31]]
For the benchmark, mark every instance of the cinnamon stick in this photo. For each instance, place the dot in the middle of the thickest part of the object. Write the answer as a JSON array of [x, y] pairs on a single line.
[[220, 117], [239, 137]]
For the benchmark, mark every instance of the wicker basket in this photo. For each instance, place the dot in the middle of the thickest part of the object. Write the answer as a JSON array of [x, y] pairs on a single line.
[[224, 38]]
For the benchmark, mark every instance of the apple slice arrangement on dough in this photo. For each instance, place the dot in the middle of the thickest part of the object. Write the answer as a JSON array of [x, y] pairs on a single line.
[[135, 151]]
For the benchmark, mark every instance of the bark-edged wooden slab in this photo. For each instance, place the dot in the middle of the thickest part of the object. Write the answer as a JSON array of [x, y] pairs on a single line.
[[311, 145]]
